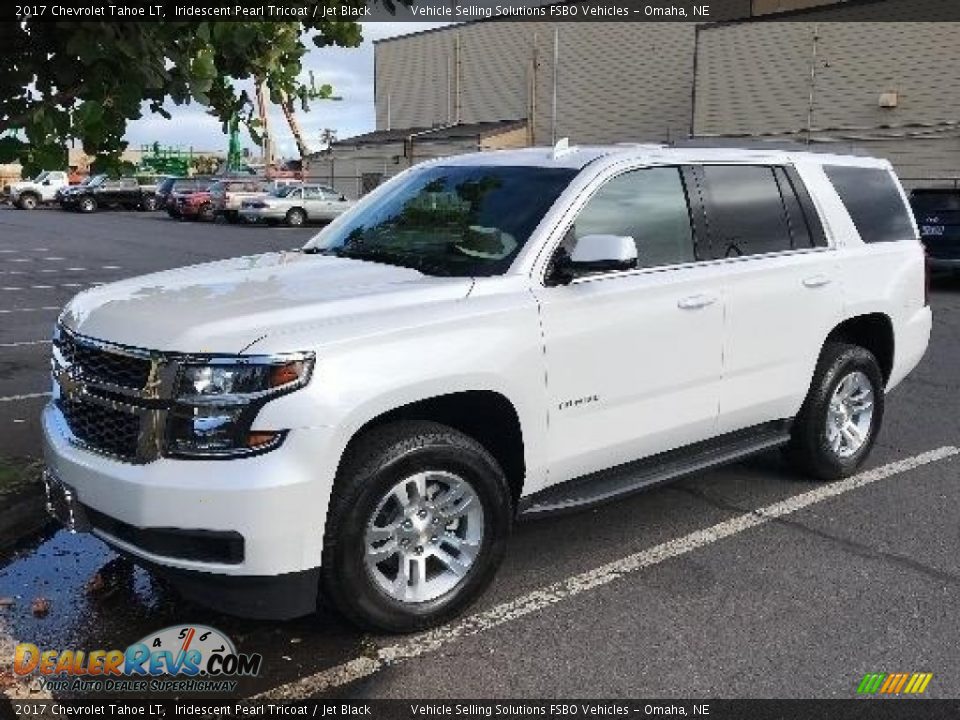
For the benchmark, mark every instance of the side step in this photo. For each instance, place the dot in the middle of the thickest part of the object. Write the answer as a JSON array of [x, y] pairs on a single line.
[[607, 485]]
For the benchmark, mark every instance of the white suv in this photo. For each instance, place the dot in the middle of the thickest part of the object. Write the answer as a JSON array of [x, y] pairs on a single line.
[[481, 338]]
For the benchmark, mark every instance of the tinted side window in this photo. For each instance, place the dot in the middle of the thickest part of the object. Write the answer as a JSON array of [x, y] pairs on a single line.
[[745, 211], [648, 205], [873, 201]]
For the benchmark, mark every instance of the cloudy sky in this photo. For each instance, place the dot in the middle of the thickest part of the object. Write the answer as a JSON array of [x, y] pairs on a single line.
[[349, 70]]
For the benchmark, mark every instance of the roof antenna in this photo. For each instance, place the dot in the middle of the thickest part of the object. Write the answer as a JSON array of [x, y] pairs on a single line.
[[562, 148]]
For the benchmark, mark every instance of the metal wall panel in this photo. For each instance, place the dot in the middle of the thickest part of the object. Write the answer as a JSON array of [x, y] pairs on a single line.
[[616, 82]]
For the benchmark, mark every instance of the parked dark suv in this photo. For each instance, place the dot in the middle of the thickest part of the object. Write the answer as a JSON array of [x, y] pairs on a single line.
[[938, 215], [102, 191]]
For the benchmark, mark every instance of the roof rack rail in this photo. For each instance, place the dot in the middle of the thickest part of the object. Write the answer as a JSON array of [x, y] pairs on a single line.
[[759, 144]]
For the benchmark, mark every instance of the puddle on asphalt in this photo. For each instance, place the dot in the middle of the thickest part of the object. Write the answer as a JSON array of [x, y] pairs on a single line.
[[96, 600]]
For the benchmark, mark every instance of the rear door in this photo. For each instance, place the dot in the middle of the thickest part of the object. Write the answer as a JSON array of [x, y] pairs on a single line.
[[781, 287]]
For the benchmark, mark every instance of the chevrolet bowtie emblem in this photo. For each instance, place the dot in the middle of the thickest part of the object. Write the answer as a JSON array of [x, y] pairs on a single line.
[[69, 381]]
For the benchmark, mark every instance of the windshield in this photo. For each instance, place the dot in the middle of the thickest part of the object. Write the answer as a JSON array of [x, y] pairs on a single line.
[[41, 177], [284, 190], [457, 220], [97, 180]]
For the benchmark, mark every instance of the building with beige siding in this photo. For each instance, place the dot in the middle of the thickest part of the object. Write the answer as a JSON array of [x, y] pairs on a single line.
[[810, 71]]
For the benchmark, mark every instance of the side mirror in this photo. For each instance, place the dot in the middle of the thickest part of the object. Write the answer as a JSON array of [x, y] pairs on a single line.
[[596, 254]]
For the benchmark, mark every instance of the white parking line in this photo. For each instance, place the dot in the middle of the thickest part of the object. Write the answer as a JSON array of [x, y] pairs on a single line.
[[28, 396], [542, 598], [33, 309], [24, 343], [12, 288]]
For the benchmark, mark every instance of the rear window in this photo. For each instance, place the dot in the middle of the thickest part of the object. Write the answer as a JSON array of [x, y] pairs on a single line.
[[926, 201], [745, 211], [873, 201]]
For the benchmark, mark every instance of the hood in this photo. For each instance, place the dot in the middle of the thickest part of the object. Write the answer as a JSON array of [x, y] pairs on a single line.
[[227, 305]]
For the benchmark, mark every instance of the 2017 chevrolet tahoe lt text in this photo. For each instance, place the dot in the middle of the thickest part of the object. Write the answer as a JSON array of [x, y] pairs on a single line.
[[482, 337]]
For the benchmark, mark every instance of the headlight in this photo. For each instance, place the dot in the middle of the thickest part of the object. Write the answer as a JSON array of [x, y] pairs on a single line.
[[218, 400]]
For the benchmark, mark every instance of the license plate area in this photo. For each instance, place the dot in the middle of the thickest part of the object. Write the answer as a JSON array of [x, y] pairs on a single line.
[[62, 504]]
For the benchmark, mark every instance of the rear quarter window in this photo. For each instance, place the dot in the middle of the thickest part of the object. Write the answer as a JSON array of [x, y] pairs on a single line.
[[874, 202]]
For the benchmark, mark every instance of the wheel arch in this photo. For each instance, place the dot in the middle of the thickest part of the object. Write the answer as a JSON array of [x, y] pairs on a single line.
[[871, 331], [487, 416]]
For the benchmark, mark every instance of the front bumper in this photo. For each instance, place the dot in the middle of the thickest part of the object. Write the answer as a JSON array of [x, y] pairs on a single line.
[[276, 502]]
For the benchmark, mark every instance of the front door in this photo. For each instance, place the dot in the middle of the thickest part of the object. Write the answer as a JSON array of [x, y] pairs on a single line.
[[633, 358]]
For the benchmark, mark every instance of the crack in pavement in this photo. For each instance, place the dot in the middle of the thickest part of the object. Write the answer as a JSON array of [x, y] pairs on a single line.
[[850, 545]]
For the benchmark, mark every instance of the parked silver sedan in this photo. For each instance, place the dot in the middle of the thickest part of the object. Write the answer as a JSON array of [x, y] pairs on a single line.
[[295, 205]]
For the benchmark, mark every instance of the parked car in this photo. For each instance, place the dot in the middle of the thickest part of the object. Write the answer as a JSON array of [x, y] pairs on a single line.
[[482, 337], [168, 190], [103, 191], [63, 191], [195, 205], [938, 215], [27, 194], [295, 205], [228, 195]]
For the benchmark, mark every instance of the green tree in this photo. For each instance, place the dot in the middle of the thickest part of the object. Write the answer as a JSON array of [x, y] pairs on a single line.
[[87, 80]]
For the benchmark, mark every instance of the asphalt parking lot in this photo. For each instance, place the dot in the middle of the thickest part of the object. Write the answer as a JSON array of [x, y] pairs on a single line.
[[742, 582]]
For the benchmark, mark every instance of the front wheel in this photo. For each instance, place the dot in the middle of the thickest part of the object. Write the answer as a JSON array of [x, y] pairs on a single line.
[[88, 205], [839, 421], [418, 525], [27, 201], [148, 204]]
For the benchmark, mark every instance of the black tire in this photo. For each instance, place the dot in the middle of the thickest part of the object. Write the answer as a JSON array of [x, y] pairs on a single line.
[[205, 213], [809, 449], [296, 217], [28, 201], [375, 463], [87, 205], [149, 203]]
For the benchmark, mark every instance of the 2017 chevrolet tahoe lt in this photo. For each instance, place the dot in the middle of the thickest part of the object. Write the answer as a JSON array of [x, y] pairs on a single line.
[[480, 338]]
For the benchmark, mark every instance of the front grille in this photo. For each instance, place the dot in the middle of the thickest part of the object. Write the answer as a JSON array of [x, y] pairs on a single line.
[[94, 363], [100, 428]]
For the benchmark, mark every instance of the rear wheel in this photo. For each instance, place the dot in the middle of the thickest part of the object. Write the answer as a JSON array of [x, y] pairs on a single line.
[[417, 526], [206, 213], [87, 205], [149, 203], [839, 421], [296, 217]]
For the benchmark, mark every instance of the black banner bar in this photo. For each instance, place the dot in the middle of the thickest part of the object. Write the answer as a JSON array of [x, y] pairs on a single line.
[[854, 709], [702, 11]]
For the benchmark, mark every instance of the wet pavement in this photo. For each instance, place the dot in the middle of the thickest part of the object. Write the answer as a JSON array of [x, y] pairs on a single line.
[[863, 582]]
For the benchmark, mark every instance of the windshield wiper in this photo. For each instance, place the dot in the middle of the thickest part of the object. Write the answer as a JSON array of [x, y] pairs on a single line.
[[379, 255]]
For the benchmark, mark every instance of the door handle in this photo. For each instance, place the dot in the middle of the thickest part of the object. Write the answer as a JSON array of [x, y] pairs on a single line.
[[695, 302], [816, 281]]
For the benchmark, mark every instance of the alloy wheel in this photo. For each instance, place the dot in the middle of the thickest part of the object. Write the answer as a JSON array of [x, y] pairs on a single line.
[[424, 536], [850, 414]]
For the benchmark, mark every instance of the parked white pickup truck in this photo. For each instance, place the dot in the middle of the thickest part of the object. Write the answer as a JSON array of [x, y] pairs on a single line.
[[27, 194], [481, 338]]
